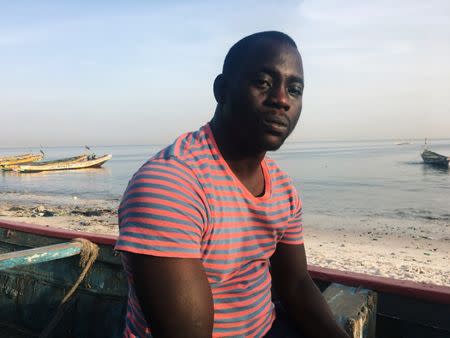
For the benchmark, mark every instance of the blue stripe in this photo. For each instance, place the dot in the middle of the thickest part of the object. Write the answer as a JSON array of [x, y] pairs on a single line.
[[156, 237], [214, 187], [258, 301], [214, 178], [215, 199], [158, 248], [161, 228], [247, 226], [163, 207], [261, 222], [256, 283], [242, 239], [262, 274], [169, 197], [224, 271], [243, 248], [249, 210], [238, 259]]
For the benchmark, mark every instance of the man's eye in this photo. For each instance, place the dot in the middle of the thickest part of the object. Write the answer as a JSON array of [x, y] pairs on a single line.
[[264, 84], [296, 91]]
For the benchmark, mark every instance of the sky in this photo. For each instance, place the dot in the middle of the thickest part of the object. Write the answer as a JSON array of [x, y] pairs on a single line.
[[141, 72]]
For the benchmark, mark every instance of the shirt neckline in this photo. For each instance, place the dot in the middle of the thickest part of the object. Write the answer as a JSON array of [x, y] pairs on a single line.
[[243, 188]]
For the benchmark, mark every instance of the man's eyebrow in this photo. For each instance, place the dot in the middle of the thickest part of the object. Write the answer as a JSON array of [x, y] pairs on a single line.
[[295, 78], [271, 72]]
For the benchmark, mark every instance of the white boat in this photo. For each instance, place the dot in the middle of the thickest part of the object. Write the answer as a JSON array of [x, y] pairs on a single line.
[[90, 162]]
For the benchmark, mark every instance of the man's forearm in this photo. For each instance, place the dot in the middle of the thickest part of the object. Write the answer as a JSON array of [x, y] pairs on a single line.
[[306, 306], [174, 295]]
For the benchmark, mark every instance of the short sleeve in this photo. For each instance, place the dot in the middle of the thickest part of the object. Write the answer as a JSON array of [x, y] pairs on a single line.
[[162, 211], [294, 232]]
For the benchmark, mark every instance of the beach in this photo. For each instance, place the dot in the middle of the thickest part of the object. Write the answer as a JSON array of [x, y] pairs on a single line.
[[417, 250], [369, 206]]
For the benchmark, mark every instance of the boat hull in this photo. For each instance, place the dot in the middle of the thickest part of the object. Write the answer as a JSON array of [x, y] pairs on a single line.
[[29, 295], [431, 157], [70, 165], [25, 158], [46, 164]]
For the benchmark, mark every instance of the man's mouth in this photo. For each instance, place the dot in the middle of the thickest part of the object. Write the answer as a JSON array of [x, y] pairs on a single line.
[[276, 125]]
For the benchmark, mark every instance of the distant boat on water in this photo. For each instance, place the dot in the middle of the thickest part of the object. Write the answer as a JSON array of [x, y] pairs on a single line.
[[430, 157], [43, 164], [71, 163], [402, 143], [434, 158], [18, 159]]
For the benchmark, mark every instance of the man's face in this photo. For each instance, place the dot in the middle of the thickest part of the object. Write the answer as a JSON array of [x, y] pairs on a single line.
[[264, 99]]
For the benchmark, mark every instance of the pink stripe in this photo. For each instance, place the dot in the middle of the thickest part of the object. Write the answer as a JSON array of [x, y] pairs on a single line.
[[161, 223]]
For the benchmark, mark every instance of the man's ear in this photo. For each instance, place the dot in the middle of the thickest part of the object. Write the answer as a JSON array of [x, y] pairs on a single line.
[[220, 89]]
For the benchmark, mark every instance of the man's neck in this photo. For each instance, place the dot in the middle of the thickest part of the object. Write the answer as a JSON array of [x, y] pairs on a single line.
[[245, 163]]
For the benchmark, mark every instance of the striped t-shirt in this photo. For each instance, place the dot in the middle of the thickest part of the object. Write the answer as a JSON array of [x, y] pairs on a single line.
[[187, 202]]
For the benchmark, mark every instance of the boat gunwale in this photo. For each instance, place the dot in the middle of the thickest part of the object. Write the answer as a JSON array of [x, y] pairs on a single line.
[[423, 291]]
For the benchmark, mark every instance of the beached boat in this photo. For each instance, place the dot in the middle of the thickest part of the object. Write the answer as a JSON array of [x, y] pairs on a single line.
[[78, 158], [30, 294], [431, 157], [89, 162], [17, 159]]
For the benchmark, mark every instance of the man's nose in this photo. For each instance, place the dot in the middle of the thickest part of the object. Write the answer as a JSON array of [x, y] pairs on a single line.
[[279, 97]]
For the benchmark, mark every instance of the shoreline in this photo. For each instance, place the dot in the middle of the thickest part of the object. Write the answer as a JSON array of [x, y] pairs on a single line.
[[417, 250]]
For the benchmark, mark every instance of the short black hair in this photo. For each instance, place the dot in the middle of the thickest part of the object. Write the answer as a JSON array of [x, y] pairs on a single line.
[[238, 51]]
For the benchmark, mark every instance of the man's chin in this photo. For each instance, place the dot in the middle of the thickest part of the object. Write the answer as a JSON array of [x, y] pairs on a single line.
[[272, 143]]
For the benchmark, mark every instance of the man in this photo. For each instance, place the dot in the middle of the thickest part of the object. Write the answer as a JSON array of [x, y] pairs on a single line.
[[210, 225]]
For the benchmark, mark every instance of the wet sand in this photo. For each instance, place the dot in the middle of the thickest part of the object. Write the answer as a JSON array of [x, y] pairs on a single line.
[[416, 250]]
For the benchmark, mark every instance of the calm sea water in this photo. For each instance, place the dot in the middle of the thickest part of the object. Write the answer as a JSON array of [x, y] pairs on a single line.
[[371, 178]]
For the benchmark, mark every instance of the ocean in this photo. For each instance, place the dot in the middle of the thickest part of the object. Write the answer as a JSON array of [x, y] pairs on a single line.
[[353, 178]]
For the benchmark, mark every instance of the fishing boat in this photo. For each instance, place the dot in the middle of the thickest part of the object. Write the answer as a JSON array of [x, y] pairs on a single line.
[[78, 158], [431, 157], [90, 162], [34, 283], [17, 159]]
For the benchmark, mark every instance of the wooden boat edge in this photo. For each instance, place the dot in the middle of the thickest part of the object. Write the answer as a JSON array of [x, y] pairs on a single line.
[[58, 232], [422, 291]]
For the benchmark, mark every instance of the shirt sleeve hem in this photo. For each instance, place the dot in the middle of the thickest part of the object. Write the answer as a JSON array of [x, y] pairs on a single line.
[[157, 253]]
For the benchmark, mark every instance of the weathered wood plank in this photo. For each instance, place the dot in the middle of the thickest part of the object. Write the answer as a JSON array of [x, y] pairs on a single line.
[[39, 255], [355, 309]]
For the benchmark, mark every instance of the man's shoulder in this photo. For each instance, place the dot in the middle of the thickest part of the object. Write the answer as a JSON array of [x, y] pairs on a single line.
[[186, 148], [178, 159]]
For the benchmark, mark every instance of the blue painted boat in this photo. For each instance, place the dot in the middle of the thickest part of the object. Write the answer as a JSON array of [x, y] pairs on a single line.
[[30, 294], [34, 283]]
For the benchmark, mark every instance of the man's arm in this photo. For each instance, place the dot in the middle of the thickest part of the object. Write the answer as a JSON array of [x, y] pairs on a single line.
[[298, 294], [174, 294]]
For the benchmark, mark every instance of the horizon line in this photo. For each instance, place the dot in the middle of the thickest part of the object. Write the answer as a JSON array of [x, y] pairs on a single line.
[[286, 143]]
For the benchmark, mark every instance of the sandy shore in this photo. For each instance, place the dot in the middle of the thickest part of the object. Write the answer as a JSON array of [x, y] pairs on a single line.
[[416, 250], [403, 249]]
